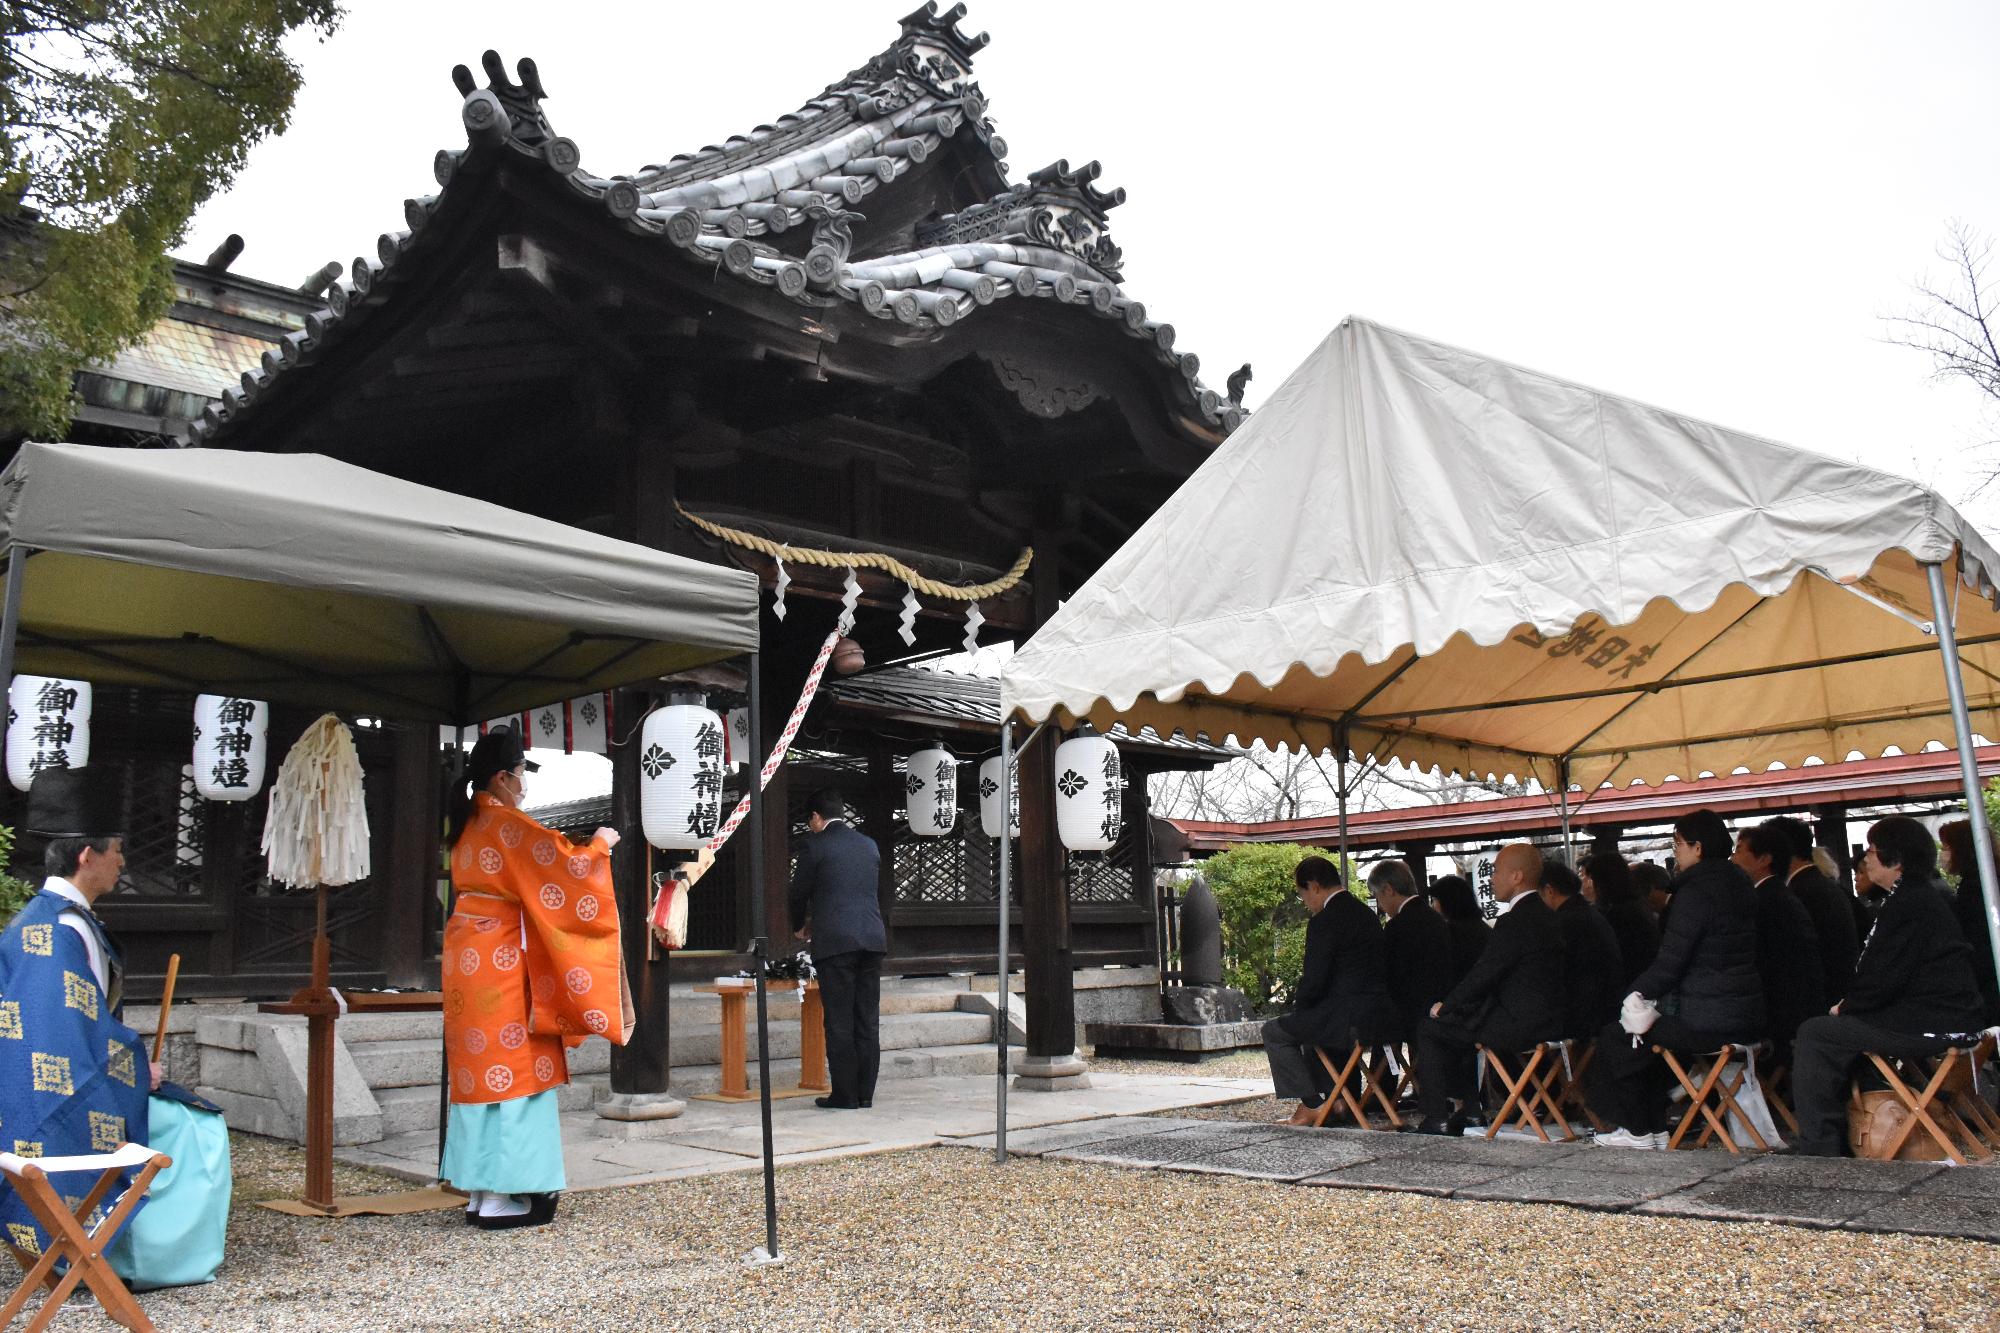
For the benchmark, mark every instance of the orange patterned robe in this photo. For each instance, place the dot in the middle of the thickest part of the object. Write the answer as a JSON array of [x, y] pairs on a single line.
[[532, 961]]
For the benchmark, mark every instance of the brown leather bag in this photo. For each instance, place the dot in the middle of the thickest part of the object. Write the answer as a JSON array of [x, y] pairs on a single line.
[[1874, 1119]]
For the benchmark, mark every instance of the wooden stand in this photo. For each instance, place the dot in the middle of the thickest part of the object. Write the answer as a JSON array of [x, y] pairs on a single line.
[[321, 1008], [813, 1080]]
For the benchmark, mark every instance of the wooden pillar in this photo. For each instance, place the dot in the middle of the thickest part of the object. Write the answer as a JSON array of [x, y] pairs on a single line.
[[1416, 855], [414, 836], [1830, 831], [1045, 906], [780, 694], [878, 820], [641, 1067]]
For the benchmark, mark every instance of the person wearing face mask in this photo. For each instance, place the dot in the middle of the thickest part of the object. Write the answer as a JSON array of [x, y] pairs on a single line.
[[1913, 990], [532, 965]]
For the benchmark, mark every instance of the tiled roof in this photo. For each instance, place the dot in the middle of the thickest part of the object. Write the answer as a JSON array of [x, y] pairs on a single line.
[[773, 208], [190, 358]]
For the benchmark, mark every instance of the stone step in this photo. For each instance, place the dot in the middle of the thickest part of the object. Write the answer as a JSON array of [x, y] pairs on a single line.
[[404, 1064], [912, 1062]]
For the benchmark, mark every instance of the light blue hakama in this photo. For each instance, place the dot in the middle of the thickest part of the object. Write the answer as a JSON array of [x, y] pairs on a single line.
[[176, 1239], [510, 1147]]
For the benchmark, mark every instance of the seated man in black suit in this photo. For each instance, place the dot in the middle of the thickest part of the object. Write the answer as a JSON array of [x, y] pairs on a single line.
[[835, 897], [1593, 967], [1830, 906], [1416, 944], [1342, 995], [1913, 985], [1787, 945], [1511, 1000]]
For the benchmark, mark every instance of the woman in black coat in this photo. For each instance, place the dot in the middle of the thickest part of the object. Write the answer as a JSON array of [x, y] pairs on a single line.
[[1704, 979], [1607, 882], [1459, 906]]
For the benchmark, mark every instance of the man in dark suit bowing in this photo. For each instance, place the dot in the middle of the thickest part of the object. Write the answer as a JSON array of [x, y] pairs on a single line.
[[833, 898], [1343, 990]]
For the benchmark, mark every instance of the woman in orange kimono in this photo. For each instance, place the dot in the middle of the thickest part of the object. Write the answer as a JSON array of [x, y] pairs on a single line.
[[532, 965]]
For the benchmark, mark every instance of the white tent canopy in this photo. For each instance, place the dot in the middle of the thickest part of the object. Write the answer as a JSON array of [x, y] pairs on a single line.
[[1440, 558]]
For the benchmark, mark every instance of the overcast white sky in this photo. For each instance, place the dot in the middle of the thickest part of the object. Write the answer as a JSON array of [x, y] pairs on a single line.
[[1705, 206]]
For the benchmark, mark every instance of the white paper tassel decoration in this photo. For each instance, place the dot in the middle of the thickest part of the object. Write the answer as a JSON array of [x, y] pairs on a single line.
[[48, 726], [317, 830], [989, 798], [1089, 813], [907, 628], [229, 746], [931, 780], [680, 776]]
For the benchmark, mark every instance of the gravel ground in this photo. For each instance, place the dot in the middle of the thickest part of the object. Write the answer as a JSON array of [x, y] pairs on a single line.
[[905, 1240]]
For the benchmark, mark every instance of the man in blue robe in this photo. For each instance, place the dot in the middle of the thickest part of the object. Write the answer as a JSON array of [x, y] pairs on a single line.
[[73, 1078]]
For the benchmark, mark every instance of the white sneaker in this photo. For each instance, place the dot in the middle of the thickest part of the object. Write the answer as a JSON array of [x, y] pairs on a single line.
[[1625, 1138]]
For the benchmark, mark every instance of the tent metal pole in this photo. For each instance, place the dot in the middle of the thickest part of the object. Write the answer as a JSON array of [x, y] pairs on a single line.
[[1340, 794], [1001, 998], [1968, 764], [759, 952], [1562, 780], [10, 613]]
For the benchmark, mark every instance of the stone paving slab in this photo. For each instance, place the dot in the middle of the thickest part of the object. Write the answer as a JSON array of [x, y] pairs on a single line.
[[748, 1140], [1935, 1215], [1962, 1182], [1437, 1148], [1766, 1201], [1291, 1157], [1037, 1140], [1179, 1145], [1583, 1189], [1835, 1173], [1412, 1176], [1682, 1168]]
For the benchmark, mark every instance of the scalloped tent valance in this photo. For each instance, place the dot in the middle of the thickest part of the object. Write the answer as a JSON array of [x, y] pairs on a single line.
[[1455, 562]]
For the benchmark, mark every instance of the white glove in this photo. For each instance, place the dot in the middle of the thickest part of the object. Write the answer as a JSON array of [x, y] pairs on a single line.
[[1638, 1014]]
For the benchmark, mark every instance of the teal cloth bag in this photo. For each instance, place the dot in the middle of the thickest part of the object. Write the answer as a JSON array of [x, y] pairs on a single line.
[[176, 1239]]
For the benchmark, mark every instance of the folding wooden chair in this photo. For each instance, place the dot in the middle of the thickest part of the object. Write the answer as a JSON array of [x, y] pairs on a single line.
[[1375, 1072], [1973, 1108], [1575, 1064], [1946, 1080], [1713, 1100], [1778, 1096], [1533, 1094], [69, 1241]]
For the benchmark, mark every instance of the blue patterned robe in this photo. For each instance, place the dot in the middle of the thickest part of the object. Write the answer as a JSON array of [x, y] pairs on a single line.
[[73, 1079]]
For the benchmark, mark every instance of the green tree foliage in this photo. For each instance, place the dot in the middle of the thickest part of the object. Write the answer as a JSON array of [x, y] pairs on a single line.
[[118, 118], [1263, 921], [14, 892]]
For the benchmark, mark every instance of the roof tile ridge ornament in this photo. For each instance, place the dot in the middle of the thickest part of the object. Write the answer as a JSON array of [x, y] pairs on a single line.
[[510, 111], [942, 27]]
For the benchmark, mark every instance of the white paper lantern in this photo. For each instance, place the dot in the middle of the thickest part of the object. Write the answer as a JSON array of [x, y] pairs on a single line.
[[229, 746], [48, 726], [1090, 813], [989, 799], [680, 776], [931, 780], [739, 737]]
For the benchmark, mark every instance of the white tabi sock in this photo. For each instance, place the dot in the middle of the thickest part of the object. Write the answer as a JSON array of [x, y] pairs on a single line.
[[472, 1200], [496, 1204]]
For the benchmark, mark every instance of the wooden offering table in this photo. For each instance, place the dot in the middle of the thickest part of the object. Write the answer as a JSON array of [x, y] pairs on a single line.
[[813, 1081]]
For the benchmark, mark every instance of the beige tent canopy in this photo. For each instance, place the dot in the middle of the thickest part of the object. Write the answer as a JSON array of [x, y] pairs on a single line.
[[1415, 552], [292, 577]]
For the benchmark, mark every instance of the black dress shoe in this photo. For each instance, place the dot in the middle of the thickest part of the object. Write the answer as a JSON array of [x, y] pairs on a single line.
[[829, 1104], [870, 1102]]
